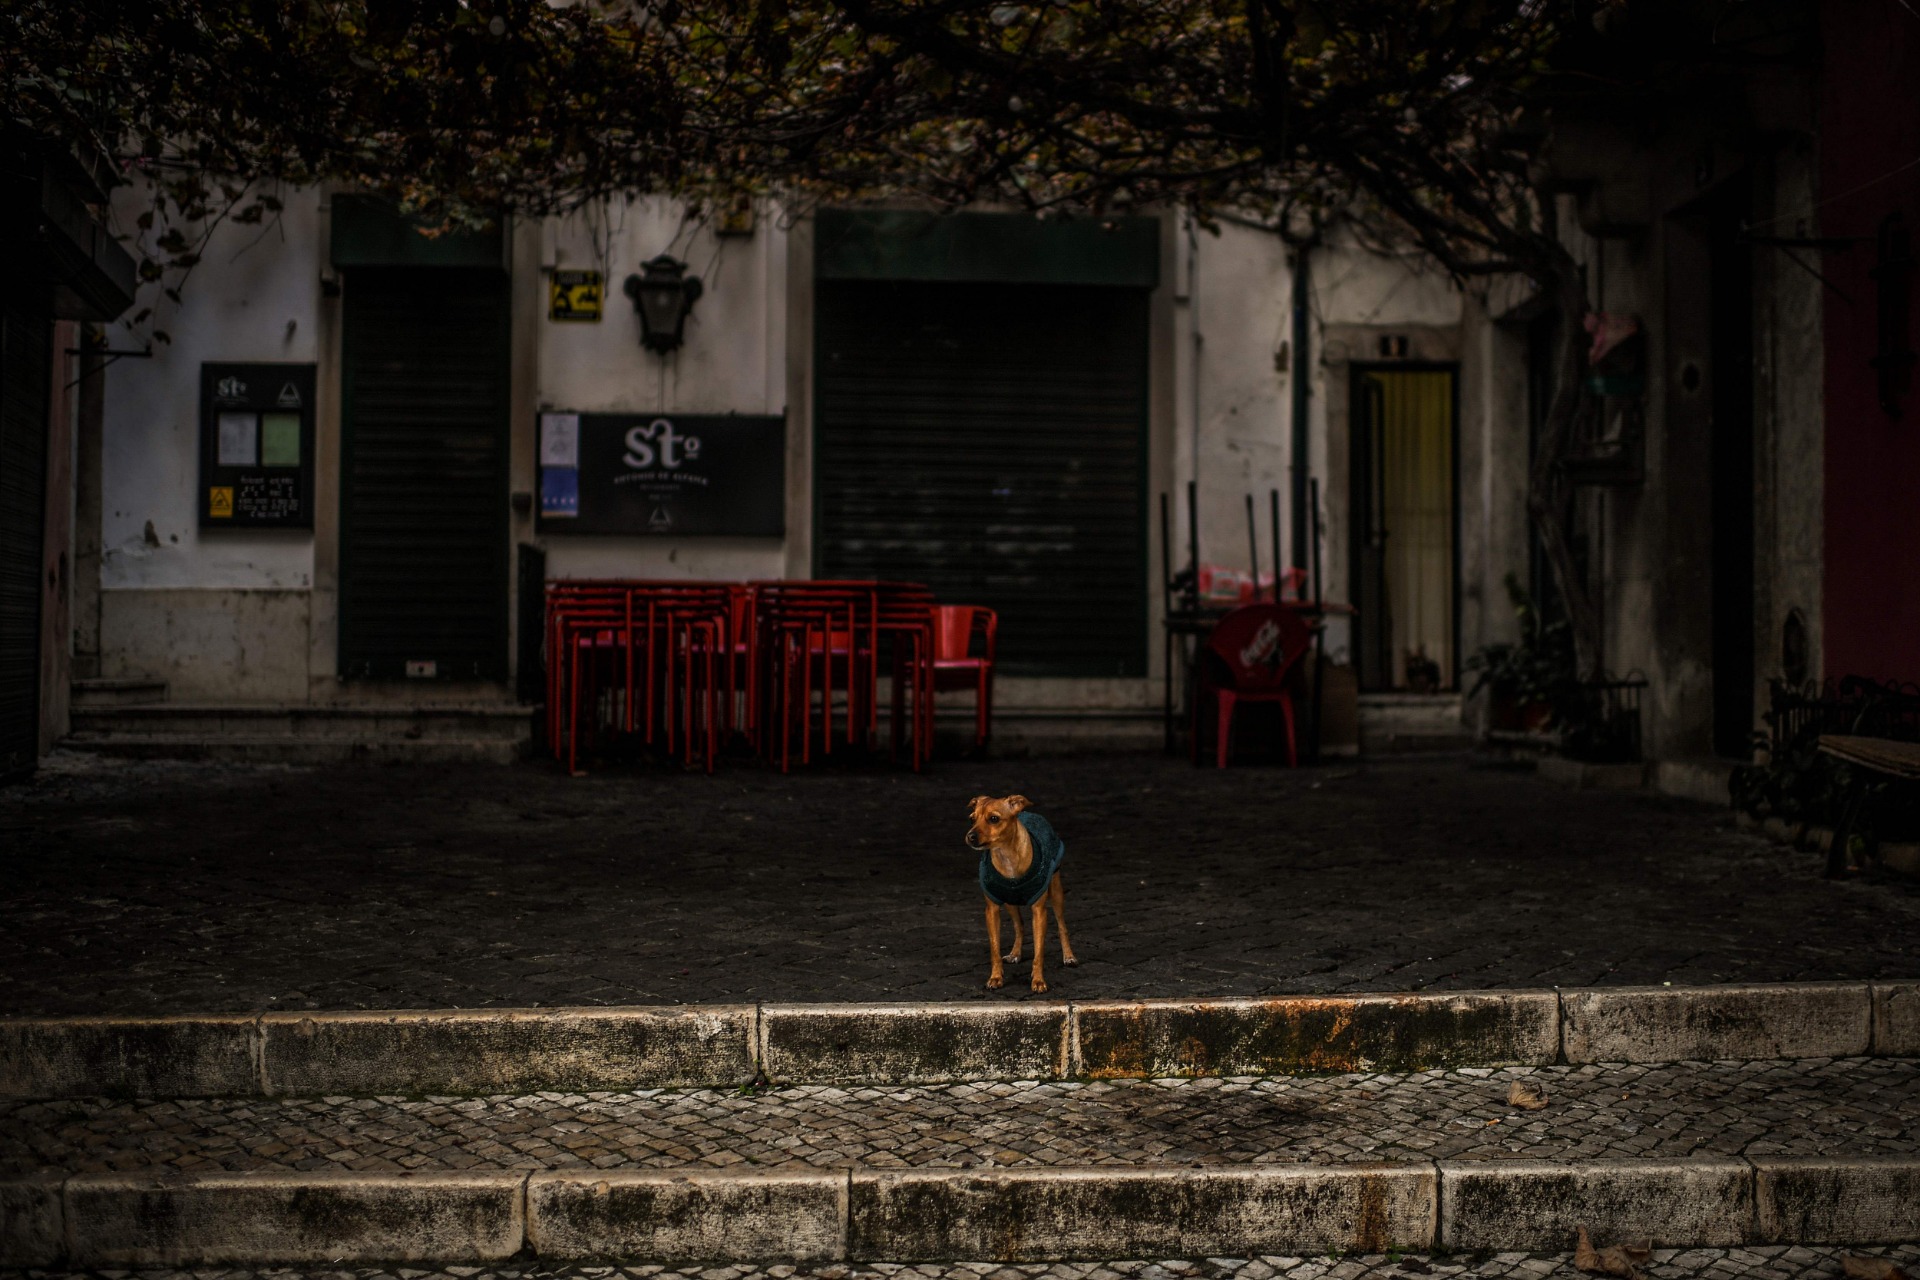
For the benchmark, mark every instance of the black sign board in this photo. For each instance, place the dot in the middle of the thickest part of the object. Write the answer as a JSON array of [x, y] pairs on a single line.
[[256, 446], [659, 473]]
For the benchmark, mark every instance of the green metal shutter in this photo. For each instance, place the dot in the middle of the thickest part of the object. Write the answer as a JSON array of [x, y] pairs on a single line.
[[423, 495], [989, 440], [26, 371]]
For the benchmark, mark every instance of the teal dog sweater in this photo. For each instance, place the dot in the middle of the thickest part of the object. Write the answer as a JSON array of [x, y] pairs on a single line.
[[1048, 852]]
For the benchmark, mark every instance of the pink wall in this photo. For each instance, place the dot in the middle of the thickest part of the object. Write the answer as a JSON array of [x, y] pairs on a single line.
[[1869, 127]]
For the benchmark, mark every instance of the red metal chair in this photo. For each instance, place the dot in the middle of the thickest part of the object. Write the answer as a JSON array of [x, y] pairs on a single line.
[[1248, 658], [641, 657], [955, 666]]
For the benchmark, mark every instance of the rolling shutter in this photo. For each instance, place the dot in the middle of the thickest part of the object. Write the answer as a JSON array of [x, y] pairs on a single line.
[[423, 503], [26, 371], [989, 441]]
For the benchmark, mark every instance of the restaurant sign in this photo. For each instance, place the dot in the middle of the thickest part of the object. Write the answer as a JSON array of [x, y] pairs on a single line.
[[256, 446], [666, 474]]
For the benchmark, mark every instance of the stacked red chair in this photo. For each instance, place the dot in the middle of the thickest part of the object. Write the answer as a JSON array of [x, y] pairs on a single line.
[[1249, 657], [793, 667], [656, 659]]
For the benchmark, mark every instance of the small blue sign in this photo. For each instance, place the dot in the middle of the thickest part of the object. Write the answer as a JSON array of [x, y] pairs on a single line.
[[559, 493]]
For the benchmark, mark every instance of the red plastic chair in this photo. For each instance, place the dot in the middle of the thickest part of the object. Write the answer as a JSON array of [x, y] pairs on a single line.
[[955, 666], [1248, 658]]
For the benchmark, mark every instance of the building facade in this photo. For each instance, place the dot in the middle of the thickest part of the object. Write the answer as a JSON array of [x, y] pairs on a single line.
[[986, 402], [345, 480]]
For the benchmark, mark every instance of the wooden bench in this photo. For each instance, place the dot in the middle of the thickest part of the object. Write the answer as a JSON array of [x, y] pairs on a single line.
[[1900, 760]]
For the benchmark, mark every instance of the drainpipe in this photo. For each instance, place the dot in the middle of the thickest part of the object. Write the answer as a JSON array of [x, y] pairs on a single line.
[[1193, 325], [1299, 468]]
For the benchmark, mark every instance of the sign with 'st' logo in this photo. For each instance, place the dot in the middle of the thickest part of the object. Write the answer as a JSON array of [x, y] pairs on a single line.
[[663, 474]]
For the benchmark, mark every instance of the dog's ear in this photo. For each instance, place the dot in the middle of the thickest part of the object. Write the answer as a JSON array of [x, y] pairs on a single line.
[[1016, 803], [973, 805]]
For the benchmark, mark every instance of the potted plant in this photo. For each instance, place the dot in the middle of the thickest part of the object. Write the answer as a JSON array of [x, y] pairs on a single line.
[[1531, 682]]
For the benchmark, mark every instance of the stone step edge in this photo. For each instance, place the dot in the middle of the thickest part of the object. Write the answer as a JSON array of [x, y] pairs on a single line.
[[941, 1215], [523, 1051]]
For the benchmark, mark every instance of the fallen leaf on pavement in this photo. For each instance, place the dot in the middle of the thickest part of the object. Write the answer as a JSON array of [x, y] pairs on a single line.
[[1863, 1268], [1613, 1260], [1528, 1095]]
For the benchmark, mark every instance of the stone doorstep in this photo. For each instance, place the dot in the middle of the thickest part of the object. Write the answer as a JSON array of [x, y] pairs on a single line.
[[798, 1215], [493, 1051]]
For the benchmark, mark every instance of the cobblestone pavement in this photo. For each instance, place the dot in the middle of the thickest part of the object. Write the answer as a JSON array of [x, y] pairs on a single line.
[[1851, 1107], [192, 887], [1797, 1262]]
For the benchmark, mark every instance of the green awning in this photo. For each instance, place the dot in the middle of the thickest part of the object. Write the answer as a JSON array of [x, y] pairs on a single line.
[[1012, 248]]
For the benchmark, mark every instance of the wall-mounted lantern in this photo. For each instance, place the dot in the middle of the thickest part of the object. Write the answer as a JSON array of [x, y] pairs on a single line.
[[663, 294]]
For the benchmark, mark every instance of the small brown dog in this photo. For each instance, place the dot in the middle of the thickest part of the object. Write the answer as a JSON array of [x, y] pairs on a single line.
[[1020, 858]]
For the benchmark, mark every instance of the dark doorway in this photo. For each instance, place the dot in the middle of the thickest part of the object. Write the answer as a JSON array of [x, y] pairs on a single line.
[[423, 487], [989, 440], [1730, 279], [1405, 534], [26, 373]]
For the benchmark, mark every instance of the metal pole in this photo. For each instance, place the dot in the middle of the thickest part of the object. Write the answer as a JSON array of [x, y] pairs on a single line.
[[1166, 619], [1253, 549], [1302, 335], [1319, 664], [1193, 540], [1274, 497]]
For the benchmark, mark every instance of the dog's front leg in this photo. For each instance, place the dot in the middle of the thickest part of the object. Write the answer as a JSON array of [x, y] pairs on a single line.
[[998, 976], [1013, 917], [1039, 944]]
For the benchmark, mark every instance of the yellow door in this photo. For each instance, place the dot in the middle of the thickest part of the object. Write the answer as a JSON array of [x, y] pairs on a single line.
[[1404, 534]]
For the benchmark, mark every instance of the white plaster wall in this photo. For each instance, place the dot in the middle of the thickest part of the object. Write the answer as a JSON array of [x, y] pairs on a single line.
[[1352, 285], [1242, 304], [1233, 409], [734, 361], [254, 297]]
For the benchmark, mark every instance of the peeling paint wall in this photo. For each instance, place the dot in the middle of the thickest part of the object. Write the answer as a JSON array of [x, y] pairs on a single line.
[[209, 611], [255, 296]]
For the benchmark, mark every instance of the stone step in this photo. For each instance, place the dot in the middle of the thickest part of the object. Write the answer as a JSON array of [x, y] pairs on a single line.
[[1752, 1262], [1715, 1155], [1022, 732], [293, 749], [356, 724], [1398, 723], [478, 1052], [91, 694], [303, 734]]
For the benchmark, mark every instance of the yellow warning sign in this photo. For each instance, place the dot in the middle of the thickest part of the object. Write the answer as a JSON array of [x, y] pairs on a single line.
[[220, 501], [575, 295]]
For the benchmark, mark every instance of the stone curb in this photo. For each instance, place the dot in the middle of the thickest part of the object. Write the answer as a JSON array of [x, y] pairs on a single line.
[[795, 1215], [483, 1051], [1536, 1204], [120, 1219], [1815, 1201], [915, 1043], [1041, 1215], [499, 1051], [1144, 1038], [1686, 1024], [907, 1215]]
